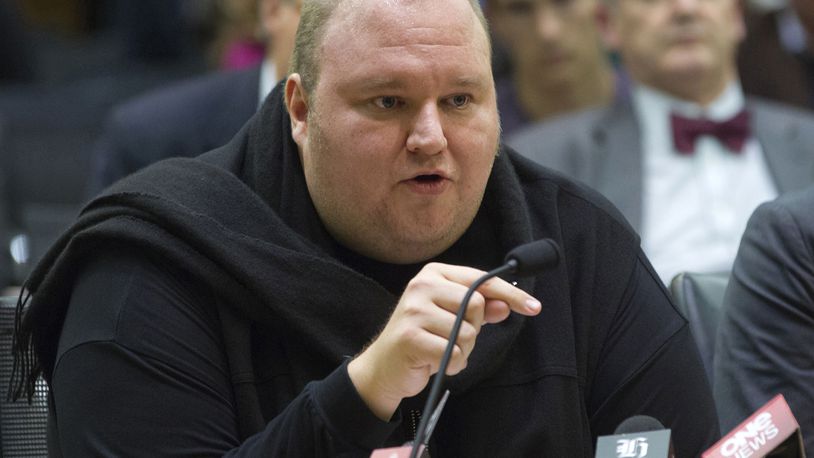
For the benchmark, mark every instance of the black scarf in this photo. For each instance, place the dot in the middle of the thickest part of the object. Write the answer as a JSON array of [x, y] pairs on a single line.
[[240, 219]]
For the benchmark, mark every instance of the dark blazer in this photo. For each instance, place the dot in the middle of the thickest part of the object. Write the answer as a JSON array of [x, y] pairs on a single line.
[[602, 148], [185, 119], [765, 342]]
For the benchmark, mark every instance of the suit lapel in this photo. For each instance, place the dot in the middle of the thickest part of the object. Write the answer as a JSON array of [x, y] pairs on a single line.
[[617, 169], [790, 162]]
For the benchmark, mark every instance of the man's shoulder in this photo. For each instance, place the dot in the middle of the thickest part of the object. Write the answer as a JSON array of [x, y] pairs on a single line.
[[569, 142], [557, 129], [793, 207], [187, 100], [782, 114]]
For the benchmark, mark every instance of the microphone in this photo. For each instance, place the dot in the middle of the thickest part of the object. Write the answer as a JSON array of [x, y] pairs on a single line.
[[637, 424], [637, 436], [771, 431], [533, 257], [523, 260]]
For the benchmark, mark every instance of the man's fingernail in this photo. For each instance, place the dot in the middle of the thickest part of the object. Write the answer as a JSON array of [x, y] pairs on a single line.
[[533, 305]]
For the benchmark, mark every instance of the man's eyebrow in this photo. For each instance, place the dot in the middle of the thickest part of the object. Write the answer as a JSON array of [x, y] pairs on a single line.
[[471, 82], [384, 84], [378, 84]]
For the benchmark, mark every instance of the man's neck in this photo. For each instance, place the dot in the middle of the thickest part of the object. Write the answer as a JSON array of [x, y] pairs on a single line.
[[593, 89]]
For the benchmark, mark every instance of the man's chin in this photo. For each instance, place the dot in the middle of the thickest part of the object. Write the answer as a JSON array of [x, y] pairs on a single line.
[[418, 246], [690, 62]]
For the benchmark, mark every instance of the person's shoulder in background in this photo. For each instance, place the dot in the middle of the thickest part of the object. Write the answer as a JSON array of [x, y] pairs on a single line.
[[767, 328], [184, 119]]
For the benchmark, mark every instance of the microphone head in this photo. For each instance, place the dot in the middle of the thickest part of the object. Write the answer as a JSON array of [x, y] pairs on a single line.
[[639, 435], [639, 424], [534, 256]]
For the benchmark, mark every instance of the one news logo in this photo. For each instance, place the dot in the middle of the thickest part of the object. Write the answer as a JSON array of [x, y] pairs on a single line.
[[749, 439], [631, 448]]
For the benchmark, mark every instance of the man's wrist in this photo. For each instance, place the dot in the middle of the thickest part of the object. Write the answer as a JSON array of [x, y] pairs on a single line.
[[370, 388]]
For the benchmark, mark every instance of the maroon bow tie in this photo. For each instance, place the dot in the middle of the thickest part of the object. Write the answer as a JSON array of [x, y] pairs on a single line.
[[732, 133]]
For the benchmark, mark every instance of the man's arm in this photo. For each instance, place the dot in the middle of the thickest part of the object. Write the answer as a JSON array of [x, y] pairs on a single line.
[[649, 365], [141, 370], [141, 366], [766, 336]]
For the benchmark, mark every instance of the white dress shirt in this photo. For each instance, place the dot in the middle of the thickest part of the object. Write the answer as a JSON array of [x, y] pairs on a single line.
[[695, 207], [268, 79]]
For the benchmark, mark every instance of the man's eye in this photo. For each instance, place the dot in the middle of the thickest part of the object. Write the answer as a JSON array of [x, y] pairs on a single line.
[[387, 102], [459, 101]]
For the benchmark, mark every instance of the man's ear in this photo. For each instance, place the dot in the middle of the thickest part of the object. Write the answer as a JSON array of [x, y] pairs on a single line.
[[296, 102], [605, 23]]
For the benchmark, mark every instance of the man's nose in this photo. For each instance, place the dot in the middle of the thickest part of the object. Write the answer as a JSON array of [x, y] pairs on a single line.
[[427, 133], [549, 23], [685, 6]]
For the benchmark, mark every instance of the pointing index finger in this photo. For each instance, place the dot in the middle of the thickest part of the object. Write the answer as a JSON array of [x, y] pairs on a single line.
[[494, 289]]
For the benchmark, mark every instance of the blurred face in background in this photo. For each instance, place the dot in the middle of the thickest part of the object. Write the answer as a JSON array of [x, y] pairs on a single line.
[[279, 19], [683, 47], [552, 41]]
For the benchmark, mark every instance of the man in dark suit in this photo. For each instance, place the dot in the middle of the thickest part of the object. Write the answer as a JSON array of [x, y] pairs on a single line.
[[194, 116], [688, 158], [766, 335]]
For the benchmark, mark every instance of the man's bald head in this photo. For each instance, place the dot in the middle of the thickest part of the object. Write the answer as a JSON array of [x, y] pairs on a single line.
[[314, 19]]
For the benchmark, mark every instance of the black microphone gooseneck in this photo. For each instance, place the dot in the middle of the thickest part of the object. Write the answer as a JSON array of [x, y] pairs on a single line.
[[523, 260]]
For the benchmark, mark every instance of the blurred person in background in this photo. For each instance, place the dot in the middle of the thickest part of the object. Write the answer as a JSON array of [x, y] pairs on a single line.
[[776, 60], [240, 40], [558, 64], [688, 158], [766, 335], [189, 118]]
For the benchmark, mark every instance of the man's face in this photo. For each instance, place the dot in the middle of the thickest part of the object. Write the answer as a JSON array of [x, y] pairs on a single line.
[[665, 43], [402, 126], [554, 40]]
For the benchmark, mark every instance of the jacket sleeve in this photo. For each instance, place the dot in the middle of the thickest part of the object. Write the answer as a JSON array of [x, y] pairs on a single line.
[[141, 371], [766, 336]]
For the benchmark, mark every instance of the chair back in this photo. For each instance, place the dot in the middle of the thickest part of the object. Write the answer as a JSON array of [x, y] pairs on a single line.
[[700, 296], [23, 426]]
